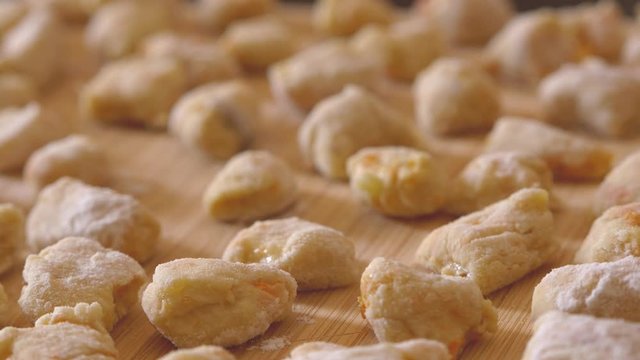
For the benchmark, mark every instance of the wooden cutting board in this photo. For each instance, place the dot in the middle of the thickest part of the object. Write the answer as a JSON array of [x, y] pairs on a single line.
[[170, 179]]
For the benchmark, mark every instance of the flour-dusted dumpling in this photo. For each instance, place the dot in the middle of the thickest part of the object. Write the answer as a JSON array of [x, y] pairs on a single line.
[[621, 185], [16, 89], [79, 270], [217, 119], [139, 91], [560, 335], [614, 235], [345, 17], [610, 290], [317, 256], [418, 349], [252, 185], [569, 156], [12, 235], [402, 303], [398, 181], [455, 96], [216, 15], [66, 333], [345, 123], [320, 71], [10, 14], [493, 177], [196, 302], [74, 10], [204, 352], [71, 208], [494, 246]]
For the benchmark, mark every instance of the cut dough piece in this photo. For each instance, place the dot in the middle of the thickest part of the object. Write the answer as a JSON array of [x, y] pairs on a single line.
[[455, 96], [614, 235], [318, 257], [345, 17], [218, 14], [398, 181], [559, 335], [402, 303], [204, 352], [79, 270], [569, 156], [610, 290], [218, 119], [418, 349], [490, 178], [621, 185], [16, 89], [66, 333], [196, 302], [494, 246], [73, 10], [4, 307], [334, 130], [12, 235], [136, 91], [252, 185], [71, 208]]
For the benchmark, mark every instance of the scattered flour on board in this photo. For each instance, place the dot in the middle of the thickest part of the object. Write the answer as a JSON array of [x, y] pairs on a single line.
[[305, 319], [272, 344]]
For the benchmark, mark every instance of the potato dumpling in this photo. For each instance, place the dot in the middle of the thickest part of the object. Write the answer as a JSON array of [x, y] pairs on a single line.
[[74, 10], [76, 156], [218, 14], [16, 89], [418, 349], [320, 71], [139, 91], [71, 208], [317, 256], [252, 185], [204, 352], [490, 178], [217, 119], [614, 235], [494, 246], [402, 303], [398, 181], [196, 302], [559, 335], [468, 22], [345, 17], [569, 156], [79, 270], [621, 185], [4, 307], [12, 235], [610, 290], [66, 333], [347, 122], [204, 61], [10, 13], [455, 96]]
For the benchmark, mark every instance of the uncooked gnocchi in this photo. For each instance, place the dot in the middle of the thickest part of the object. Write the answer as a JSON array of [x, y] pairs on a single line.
[[494, 246], [345, 17], [418, 349], [620, 186], [252, 185], [79, 270], [204, 352], [398, 181], [318, 257], [71, 208], [195, 302], [215, 15], [74, 10], [12, 235], [16, 90], [402, 303]]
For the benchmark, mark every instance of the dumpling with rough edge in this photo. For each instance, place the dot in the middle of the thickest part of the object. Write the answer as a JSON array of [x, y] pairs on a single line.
[[620, 186]]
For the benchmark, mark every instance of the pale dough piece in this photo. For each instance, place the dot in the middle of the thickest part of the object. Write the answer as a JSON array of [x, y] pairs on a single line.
[[76, 156], [468, 22], [490, 178], [204, 61], [218, 119], [196, 302], [418, 349], [79, 270], [620, 186], [631, 50], [68, 333], [4, 307], [71, 208], [252, 185], [216, 15], [74, 10], [320, 71], [610, 290], [317, 256], [561, 336], [16, 89], [345, 17], [10, 14], [204, 352], [614, 235], [138, 91], [455, 96], [569, 156], [12, 235], [402, 303], [398, 181], [345, 123], [497, 245]]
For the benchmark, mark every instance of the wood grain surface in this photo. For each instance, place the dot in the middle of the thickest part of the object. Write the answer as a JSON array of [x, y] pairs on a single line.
[[170, 179]]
